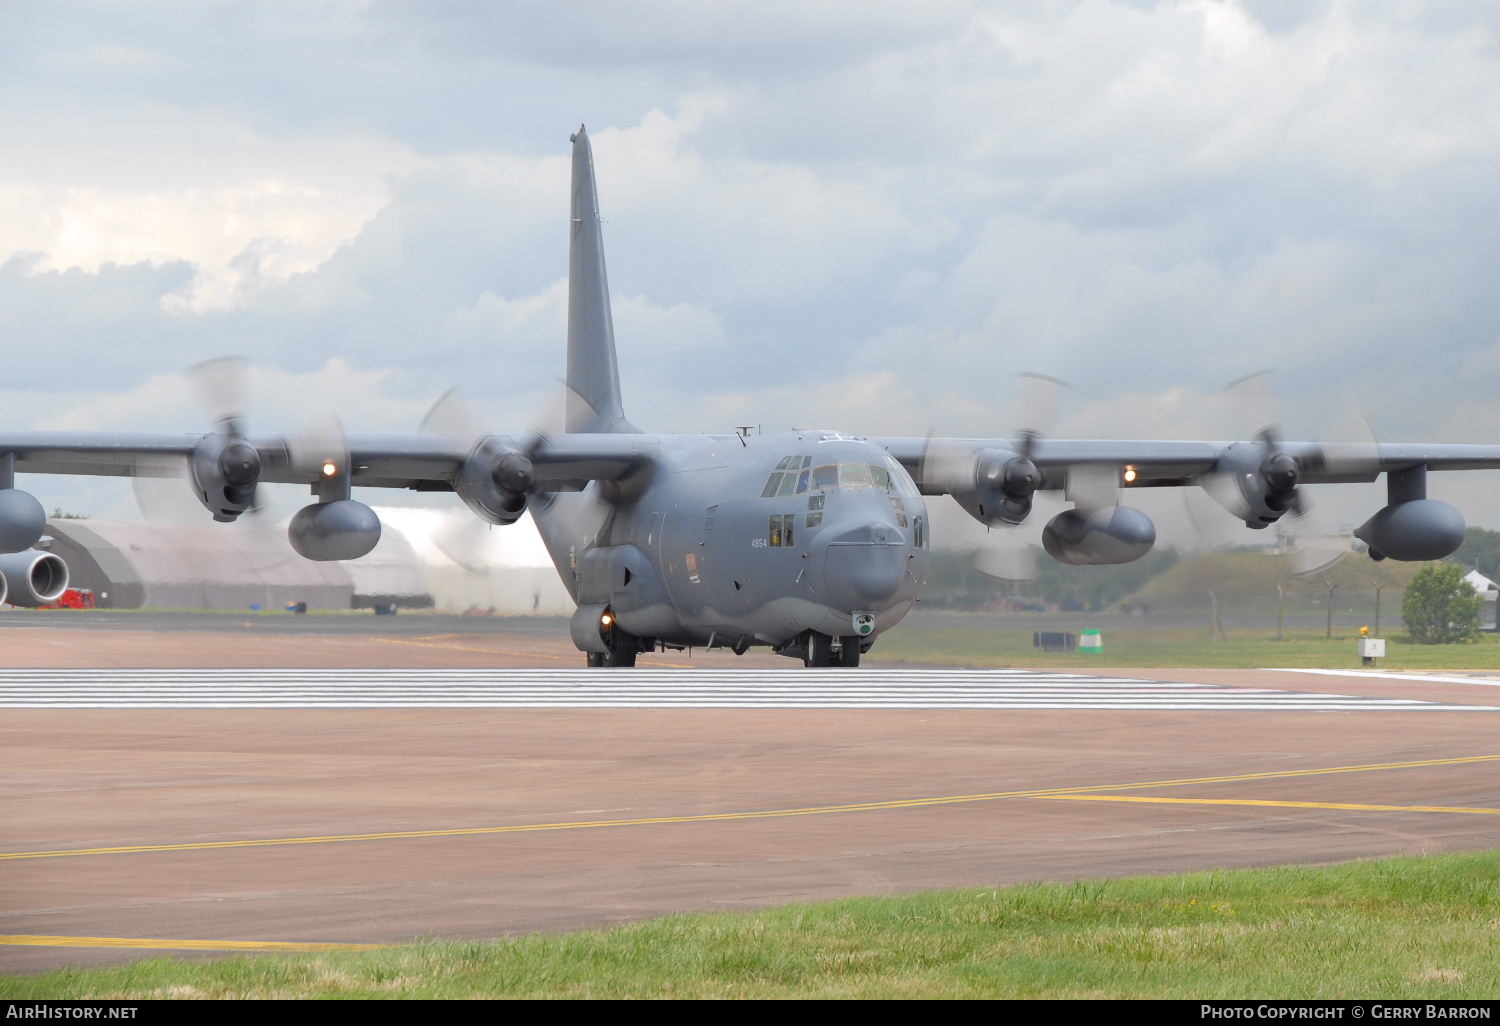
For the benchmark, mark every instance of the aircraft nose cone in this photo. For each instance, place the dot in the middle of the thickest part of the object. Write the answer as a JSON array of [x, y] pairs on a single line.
[[864, 566]]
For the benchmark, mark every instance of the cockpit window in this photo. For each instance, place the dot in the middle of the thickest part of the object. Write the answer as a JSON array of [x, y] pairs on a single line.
[[795, 475], [858, 476], [902, 480], [855, 475], [789, 477]]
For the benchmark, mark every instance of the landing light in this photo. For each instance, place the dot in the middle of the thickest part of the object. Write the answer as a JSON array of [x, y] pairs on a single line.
[[330, 468], [606, 619], [1129, 475]]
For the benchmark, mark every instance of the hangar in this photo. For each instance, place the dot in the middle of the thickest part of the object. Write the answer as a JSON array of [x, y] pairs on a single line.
[[246, 566]]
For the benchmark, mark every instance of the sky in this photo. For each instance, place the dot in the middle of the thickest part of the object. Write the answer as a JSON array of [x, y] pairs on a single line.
[[865, 215]]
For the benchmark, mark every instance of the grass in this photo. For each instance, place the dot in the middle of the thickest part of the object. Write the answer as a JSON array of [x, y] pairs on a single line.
[[975, 646], [1420, 927]]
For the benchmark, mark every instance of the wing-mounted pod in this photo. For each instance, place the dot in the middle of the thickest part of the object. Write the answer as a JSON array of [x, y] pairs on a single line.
[[1097, 530], [494, 481], [1091, 537], [1256, 481], [1412, 527], [335, 527]]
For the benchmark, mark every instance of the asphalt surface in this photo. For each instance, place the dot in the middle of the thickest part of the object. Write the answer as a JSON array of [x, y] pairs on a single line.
[[131, 832]]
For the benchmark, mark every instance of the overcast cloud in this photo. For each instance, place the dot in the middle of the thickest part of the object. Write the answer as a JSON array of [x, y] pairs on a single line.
[[861, 215]]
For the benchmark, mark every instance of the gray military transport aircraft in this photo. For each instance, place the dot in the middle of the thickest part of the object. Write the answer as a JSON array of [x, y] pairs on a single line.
[[811, 543]]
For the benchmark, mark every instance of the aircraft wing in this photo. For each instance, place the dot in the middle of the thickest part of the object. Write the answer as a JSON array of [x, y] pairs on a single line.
[[417, 461], [930, 461]]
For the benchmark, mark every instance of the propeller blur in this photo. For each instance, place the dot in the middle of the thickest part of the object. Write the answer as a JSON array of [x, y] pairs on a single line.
[[812, 543]]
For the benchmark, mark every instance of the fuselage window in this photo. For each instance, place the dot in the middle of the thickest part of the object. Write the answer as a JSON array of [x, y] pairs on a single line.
[[781, 530], [814, 519], [816, 501], [772, 484], [788, 484], [919, 533], [826, 477]]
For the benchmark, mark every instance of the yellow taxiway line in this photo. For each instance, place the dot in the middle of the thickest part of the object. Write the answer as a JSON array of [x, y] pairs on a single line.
[[1279, 805], [40, 941], [1085, 792]]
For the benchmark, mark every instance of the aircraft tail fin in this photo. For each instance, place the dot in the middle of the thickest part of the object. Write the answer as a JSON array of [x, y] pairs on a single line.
[[593, 401]]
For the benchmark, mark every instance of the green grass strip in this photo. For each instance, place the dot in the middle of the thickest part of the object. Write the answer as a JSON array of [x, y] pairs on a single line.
[[1422, 927], [980, 646]]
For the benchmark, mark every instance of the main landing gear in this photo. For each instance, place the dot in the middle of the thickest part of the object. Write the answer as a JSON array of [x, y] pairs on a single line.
[[622, 647], [824, 650]]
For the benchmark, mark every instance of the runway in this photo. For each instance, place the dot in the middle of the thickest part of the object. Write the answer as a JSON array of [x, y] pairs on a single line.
[[205, 811], [792, 688]]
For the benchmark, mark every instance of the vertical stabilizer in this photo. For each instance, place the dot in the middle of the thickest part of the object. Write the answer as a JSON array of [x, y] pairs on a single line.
[[593, 374]]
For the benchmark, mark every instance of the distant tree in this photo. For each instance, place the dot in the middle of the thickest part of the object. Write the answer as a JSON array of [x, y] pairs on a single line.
[[1440, 606], [58, 513], [1480, 550]]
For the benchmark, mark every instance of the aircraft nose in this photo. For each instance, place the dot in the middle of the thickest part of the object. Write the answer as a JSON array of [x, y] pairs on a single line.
[[864, 565]]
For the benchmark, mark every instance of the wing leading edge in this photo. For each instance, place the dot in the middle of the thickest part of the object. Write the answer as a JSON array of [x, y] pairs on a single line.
[[1174, 463], [418, 462]]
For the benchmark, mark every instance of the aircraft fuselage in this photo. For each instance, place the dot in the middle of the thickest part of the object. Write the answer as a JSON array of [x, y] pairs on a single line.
[[737, 542]]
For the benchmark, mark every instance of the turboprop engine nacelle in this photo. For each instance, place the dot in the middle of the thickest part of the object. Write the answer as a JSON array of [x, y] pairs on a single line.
[[1004, 484], [1255, 482], [32, 578], [327, 531], [1090, 537], [1419, 529], [225, 472], [22, 520], [494, 481]]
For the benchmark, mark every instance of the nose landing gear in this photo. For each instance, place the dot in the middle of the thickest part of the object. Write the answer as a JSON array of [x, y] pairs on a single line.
[[825, 650]]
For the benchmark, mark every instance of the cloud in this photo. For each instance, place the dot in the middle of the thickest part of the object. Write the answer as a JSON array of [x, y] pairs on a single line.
[[862, 217]]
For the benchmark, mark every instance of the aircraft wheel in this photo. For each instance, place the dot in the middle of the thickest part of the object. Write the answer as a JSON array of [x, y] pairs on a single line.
[[849, 651], [595, 658], [819, 650], [622, 649]]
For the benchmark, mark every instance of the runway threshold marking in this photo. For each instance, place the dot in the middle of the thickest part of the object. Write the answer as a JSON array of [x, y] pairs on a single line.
[[1155, 800], [1415, 677], [719, 817], [42, 941]]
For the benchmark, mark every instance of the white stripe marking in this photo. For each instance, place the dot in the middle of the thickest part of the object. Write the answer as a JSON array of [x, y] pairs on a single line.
[[652, 688], [1485, 682]]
